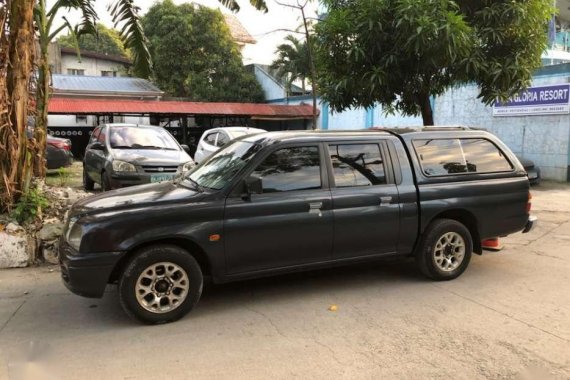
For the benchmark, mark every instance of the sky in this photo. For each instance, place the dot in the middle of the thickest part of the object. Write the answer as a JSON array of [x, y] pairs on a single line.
[[260, 25]]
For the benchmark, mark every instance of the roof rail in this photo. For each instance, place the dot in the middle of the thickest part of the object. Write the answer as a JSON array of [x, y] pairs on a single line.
[[445, 128]]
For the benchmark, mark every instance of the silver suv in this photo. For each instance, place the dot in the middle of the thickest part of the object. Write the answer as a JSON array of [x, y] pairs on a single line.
[[120, 155]]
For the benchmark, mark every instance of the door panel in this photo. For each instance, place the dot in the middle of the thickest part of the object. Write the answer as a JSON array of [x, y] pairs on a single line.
[[99, 156], [89, 158], [278, 230], [365, 200], [366, 221], [290, 222]]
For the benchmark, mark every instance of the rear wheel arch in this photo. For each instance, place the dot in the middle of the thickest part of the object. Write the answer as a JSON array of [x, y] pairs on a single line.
[[188, 245], [468, 220]]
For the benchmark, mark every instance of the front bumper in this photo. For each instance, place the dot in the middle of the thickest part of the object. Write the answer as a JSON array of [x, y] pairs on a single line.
[[123, 180], [86, 274], [529, 224]]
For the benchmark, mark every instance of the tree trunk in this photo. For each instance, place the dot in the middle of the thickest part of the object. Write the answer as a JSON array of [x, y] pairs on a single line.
[[312, 64], [425, 107], [17, 155], [42, 100]]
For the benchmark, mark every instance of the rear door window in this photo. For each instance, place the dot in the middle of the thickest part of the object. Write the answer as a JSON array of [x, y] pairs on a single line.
[[102, 137], [455, 156], [357, 165], [223, 139], [211, 138], [95, 135]]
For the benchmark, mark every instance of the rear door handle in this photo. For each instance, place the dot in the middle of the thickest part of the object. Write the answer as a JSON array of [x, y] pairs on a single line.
[[315, 208], [315, 205], [385, 201]]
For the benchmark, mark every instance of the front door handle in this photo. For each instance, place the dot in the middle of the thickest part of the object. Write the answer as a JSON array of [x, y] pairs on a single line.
[[385, 201]]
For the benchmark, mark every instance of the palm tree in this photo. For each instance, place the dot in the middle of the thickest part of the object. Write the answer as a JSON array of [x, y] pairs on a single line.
[[292, 62], [123, 11]]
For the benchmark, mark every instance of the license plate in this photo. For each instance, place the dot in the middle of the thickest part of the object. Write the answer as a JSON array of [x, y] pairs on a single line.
[[161, 177]]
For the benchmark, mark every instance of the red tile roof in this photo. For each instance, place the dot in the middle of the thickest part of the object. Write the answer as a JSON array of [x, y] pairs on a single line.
[[74, 106]]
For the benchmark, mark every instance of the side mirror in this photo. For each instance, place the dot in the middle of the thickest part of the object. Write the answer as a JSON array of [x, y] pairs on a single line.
[[186, 148], [252, 185], [97, 146]]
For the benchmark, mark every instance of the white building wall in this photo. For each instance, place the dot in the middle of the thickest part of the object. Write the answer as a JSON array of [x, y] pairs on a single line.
[[543, 139], [271, 89], [91, 121], [354, 118], [92, 66], [395, 120]]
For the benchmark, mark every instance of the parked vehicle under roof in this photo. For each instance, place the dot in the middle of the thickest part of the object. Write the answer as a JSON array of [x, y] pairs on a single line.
[[120, 155], [214, 139]]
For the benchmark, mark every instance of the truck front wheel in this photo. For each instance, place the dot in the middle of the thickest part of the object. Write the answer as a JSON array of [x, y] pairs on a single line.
[[160, 284], [445, 251]]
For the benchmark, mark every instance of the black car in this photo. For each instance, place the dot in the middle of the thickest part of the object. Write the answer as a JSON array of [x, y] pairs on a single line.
[[283, 202], [120, 155]]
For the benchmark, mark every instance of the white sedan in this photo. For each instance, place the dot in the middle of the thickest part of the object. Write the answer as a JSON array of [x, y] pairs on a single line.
[[214, 139]]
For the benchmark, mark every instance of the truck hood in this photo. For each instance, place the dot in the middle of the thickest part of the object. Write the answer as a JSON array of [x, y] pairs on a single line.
[[134, 197], [151, 156]]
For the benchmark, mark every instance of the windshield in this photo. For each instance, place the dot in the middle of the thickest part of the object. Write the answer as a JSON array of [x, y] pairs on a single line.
[[218, 170], [141, 138]]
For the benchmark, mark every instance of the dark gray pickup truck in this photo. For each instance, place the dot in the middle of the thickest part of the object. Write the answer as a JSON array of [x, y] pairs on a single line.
[[289, 201]]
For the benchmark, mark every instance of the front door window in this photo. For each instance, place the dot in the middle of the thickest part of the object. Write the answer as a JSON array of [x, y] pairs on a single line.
[[289, 169]]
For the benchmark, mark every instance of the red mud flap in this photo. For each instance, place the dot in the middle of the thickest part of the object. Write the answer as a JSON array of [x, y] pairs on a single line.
[[491, 245]]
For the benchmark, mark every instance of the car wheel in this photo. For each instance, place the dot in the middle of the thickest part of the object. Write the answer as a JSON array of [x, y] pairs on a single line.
[[88, 183], [105, 183], [160, 284], [445, 251]]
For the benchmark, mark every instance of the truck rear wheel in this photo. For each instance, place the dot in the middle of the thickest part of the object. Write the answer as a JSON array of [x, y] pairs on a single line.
[[161, 284], [445, 251]]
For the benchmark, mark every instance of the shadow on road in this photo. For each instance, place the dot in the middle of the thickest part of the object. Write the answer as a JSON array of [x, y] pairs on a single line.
[[219, 299]]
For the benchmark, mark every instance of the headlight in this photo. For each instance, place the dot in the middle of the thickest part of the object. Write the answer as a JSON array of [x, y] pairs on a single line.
[[187, 166], [74, 233], [122, 166]]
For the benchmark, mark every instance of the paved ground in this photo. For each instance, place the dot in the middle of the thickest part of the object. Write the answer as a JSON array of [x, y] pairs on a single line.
[[507, 317]]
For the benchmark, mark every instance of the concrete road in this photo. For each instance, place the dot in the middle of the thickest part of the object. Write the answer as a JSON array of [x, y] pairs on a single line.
[[507, 317]]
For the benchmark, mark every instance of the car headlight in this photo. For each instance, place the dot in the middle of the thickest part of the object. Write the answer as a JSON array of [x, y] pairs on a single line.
[[187, 166], [74, 233], [122, 166]]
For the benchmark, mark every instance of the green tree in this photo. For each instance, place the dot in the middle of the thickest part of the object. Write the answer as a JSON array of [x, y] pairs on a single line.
[[19, 21], [400, 52], [106, 41], [195, 56]]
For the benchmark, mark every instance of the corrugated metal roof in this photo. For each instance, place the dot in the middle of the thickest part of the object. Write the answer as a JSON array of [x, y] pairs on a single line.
[[84, 83], [118, 106], [94, 54]]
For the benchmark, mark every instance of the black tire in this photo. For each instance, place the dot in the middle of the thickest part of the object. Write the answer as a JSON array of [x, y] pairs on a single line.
[[105, 183], [431, 257], [88, 183], [141, 263]]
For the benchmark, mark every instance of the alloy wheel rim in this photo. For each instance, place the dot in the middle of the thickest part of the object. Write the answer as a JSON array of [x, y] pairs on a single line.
[[449, 251], [162, 287]]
